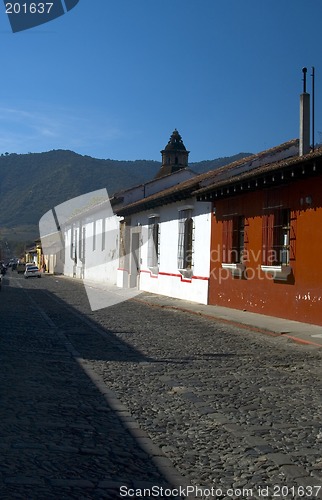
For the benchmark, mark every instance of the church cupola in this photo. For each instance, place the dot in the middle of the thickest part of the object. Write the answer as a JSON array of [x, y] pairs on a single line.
[[174, 156]]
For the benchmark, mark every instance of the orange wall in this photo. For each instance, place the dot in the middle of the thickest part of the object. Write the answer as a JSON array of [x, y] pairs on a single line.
[[300, 298]]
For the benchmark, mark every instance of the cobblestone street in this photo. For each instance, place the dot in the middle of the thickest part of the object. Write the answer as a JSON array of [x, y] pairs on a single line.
[[140, 396]]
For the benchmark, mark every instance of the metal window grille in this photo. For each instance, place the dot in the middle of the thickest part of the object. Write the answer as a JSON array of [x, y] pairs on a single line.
[[82, 239], [74, 245], [276, 237], [233, 239], [94, 235], [80, 242], [238, 239], [72, 242], [154, 242], [103, 234], [185, 240], [281, 237], [227, 240]]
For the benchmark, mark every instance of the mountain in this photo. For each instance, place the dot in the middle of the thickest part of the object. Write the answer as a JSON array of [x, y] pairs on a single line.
[[31, 184]]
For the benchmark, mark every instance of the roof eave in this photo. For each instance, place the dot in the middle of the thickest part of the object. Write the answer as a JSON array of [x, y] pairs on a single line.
[[286, 173], [156, 202]]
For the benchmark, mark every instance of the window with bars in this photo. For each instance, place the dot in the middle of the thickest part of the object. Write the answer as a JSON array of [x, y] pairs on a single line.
[[233, 239], [185, 239], [94, 235], [103, 234], [73, 244], [81, 243], [277, 237], [154, 242]]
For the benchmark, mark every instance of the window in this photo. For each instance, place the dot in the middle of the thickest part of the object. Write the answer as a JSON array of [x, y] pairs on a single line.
[[81, 243], [154, 242], [185, 240], [73, 244], [276, 237], [94, 235], [239, 239], [103, 234], [281, 239], [233, 239]]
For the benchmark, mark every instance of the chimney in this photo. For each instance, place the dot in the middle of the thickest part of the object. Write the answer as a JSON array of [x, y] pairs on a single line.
[[304, 118]]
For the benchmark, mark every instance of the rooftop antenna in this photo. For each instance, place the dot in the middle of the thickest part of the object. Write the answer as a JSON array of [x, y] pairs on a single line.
[[313, 81]]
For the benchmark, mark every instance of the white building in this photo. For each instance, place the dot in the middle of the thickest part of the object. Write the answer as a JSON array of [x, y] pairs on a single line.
[[154, 237], [91, 243], [165, 236], [167, 248], [94, 238]]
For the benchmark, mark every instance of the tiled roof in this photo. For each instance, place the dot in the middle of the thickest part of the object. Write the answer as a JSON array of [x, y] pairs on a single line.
[[261, 171], [201, 185], [207, 180], [249, 164], [180, 191]]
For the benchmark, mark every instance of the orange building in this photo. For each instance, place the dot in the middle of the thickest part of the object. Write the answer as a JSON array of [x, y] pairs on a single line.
[[266, 240]]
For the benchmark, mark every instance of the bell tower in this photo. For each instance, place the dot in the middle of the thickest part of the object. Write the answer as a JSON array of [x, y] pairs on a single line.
[[174, 156]]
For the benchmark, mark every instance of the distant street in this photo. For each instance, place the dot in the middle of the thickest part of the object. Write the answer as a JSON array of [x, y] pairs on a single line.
[[103, 404]]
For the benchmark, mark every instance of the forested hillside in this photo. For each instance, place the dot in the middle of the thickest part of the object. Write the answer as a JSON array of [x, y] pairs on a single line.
[[31, 184]]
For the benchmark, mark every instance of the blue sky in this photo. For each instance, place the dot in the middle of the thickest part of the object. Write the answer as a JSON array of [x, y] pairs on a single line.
[[112, 79]]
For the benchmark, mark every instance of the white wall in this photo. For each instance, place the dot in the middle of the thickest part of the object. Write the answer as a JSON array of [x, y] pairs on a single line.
[[101, 259], [97, 249], [53, 252], [169, 281], [154, 186], [69, 265], [102, 264]]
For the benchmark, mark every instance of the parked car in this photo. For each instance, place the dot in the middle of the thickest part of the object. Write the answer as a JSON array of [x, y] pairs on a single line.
[[30, 264], [32, 272], [21, 267]]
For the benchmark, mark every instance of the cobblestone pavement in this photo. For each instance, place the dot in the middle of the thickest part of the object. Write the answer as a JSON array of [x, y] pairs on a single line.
[[231, 412]]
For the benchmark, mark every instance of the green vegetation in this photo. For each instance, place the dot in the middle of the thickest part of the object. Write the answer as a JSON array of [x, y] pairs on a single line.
[[31, 184]]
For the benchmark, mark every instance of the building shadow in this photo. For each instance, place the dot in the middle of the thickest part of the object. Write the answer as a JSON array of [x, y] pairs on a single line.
[[60, 435]]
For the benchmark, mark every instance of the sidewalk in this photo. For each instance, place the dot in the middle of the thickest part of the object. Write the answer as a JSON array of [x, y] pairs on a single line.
[[303, 333]]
